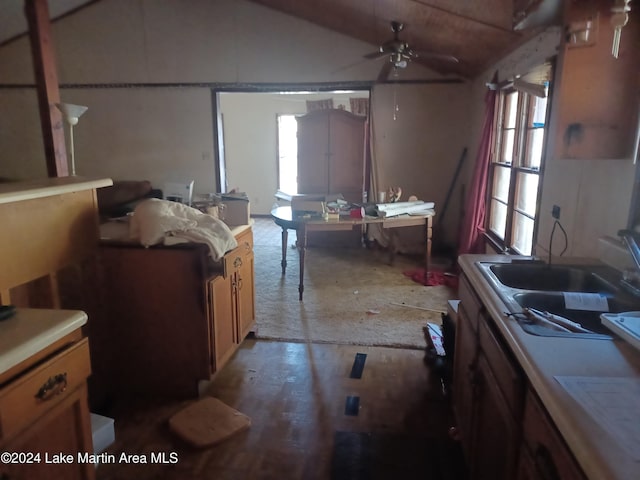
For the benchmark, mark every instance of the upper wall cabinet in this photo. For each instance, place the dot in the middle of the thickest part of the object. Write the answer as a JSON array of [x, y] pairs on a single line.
[[596, 97]]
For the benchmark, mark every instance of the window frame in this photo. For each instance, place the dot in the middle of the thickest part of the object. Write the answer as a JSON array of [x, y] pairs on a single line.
[[516, 168]]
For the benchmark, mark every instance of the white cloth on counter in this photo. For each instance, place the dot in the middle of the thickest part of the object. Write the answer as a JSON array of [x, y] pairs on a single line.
[[158, 221]]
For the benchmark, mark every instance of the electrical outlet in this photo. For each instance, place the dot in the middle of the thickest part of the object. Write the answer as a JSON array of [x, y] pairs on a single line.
[[555, 212]]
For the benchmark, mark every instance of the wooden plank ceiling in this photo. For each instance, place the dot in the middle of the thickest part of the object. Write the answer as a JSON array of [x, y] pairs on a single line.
[[478, 33]]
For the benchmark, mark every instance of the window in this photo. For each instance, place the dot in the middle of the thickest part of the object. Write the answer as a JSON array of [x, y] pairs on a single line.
[[287, 154], [516, 168]]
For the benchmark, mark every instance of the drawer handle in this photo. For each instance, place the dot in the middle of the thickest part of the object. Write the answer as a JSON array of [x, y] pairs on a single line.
[[237, 262], [55, 385]]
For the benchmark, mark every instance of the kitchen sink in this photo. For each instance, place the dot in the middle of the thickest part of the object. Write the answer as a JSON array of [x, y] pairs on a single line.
[[550, 278], [533, 284]]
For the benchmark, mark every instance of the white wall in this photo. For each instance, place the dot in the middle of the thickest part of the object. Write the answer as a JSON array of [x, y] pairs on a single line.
[[162, 134], [250, 139]]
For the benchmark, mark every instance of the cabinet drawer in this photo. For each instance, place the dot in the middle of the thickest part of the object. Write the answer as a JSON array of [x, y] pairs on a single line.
[[41, 388], [234, 259], [245, 240], [508, 377], [549, 453]]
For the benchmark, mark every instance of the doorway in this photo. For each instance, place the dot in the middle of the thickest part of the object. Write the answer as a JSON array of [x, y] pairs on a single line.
[[250, 160]]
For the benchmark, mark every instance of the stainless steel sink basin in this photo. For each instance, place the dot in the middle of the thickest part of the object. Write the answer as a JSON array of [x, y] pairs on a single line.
[[554, 278], [554, 302], [531, 284]]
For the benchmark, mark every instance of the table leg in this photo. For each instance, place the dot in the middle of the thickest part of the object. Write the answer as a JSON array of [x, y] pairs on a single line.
[[285, 239], [302, 248], [393, 245], [427, 255]]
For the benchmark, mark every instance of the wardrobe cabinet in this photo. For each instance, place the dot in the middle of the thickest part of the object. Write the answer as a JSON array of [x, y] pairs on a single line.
[[331, 158]]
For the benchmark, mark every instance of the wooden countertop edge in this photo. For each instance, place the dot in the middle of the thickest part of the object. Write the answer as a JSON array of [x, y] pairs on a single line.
[[593, 448], [47, 187]]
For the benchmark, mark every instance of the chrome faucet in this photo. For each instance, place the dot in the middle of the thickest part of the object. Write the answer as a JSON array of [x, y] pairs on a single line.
[[631, 279], [629, 238]]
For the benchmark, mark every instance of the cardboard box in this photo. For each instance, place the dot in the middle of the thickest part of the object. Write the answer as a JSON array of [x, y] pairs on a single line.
[[236, 211]]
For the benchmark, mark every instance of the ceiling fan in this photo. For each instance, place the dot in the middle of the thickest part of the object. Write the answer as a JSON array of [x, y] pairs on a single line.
[[400, 53]]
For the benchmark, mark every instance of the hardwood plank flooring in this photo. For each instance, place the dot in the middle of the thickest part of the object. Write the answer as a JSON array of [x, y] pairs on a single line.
[[295, 395]]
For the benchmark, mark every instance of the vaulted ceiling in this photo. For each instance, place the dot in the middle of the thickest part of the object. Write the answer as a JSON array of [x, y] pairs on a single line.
[[476, 32]]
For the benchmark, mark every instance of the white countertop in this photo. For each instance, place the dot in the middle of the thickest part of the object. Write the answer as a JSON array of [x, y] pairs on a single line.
[[542, 358], [46, 187], [32, 329]]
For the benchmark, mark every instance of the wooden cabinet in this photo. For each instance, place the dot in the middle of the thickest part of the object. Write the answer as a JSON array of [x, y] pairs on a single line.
[[505, 430], [232, 300], [544, 454], [488, 393], [595, 103], [44, 413], [331, 153], [173, 318]]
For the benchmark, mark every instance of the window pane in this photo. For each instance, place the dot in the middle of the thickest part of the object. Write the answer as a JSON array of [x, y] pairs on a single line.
[[533, 153], [498, 218], [527, 192], [522, 234], [537, 111], [501, 178], [510, 110], [508, 141]]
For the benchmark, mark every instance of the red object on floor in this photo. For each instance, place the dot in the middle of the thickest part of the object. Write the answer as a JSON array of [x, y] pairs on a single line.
[[433, 278]]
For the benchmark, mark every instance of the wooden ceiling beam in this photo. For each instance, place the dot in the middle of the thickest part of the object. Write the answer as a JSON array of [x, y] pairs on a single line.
[[44, 64]]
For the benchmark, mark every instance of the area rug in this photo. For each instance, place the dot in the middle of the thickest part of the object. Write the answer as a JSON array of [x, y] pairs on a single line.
[[352, 296]]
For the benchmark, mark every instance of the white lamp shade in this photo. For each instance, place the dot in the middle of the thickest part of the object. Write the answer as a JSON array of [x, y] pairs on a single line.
[[71, 112]]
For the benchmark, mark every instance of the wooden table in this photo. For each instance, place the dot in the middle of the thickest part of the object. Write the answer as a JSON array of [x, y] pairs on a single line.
[[284, 217]]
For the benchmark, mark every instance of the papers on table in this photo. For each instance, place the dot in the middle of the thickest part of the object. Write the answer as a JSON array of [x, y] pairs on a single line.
[[402, 208]]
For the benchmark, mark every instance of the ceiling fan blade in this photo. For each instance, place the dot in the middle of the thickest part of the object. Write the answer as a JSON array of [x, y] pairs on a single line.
[[435, 56], [384, 72], [374, 55]]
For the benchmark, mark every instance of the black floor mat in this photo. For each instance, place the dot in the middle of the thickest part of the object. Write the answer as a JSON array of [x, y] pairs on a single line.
[[378, 456]]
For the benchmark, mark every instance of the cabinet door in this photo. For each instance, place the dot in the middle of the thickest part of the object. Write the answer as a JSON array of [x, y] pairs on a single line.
[[551, 458], [313, 151], [66, 430], [346, 155], [464, 366], [224, 329], [245, 298], [496, 433]]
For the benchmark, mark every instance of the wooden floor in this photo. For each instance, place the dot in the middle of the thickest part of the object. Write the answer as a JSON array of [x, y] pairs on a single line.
[[303, 426]]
